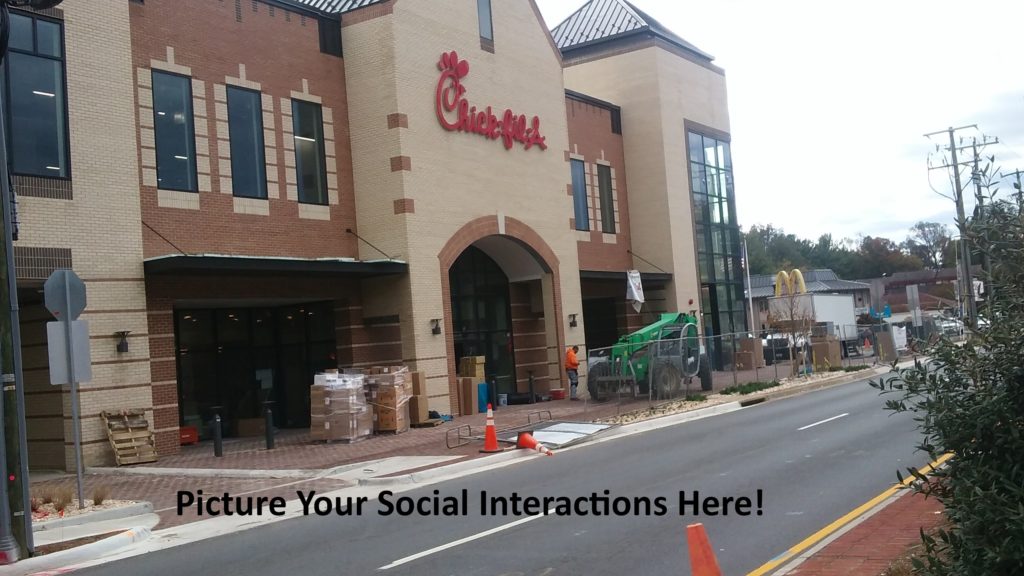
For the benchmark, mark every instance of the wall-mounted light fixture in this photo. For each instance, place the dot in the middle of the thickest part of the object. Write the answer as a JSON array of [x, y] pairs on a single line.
[[435, 326], [572, 320], [122, 340]]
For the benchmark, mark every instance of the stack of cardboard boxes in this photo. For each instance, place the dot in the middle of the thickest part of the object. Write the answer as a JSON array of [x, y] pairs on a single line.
[[390, 391], [338, 408], [471, 374], [418, 404]]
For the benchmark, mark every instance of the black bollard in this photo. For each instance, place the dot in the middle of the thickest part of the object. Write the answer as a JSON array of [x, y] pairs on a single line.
[[268, 424], [218, 441]]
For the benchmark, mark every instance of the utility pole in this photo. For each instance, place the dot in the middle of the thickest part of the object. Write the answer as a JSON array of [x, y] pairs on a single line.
[[986, 265], [967, 287], [1017, 186]]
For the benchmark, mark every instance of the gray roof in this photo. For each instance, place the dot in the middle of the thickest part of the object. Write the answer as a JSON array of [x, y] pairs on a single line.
[[820, 280], [603, 20], [333, 6]]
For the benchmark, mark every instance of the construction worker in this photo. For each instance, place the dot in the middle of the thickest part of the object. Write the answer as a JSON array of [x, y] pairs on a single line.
[[572, 367]]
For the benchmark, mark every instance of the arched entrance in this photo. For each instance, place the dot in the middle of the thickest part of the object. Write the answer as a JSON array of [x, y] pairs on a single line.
[[482, 316], [501, 292]]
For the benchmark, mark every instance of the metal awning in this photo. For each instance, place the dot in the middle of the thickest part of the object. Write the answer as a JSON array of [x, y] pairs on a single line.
[[221, 264], [651, 277]]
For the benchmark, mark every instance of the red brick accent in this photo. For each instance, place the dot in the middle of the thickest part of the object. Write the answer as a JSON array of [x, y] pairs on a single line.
[[399, 163], [398, 120], [405, 206], [368, 13], [195, 29], [472, 231], [590, 132]]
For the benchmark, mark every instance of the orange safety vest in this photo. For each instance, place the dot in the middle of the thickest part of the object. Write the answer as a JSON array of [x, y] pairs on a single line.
[[571, 363]]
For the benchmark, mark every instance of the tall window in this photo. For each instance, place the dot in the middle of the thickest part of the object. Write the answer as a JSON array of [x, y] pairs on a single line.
[[483, 11], [175, 132], [248, 159], [717, 235], [33, 94], [604, 184], [579, 195], [308, 125]]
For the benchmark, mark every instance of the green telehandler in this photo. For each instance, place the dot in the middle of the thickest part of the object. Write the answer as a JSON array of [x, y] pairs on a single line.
[[658, 360]]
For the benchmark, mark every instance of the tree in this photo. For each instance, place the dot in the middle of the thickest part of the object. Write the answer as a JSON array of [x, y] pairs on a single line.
[[929, 241], [969, 402]]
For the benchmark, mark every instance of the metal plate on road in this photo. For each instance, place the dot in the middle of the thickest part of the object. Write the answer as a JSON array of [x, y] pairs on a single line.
[[64, 295]]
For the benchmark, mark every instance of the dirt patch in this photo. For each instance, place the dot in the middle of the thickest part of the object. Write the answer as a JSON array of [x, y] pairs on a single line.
[[44, 512], [67, 545]]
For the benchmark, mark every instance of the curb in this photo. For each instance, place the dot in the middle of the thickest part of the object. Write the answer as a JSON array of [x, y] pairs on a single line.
[[818, 385], [136, 509], [90, 551], [205, 472]]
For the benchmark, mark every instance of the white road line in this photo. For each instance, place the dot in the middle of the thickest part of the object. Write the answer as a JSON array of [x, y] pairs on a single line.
[[823, 421], [443, 547]]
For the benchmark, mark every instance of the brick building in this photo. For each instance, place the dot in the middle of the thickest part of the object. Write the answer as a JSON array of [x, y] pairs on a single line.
[[257, 190]]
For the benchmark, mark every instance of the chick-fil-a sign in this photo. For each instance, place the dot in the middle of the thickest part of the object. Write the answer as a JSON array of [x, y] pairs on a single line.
[[456, 115]]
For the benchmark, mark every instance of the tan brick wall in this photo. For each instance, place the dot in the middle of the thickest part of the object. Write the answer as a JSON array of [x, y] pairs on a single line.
[[456, 178], [101, 227], [658, 91]]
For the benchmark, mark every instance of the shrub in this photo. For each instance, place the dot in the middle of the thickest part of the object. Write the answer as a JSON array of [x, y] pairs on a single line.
[[63, 497], [856, 368], [46, 495], [695, 398], [99, 494], [749, 387], [969, 402], [35, 504]]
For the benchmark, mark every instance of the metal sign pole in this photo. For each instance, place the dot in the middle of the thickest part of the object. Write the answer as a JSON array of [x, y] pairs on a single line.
[[75, 424]]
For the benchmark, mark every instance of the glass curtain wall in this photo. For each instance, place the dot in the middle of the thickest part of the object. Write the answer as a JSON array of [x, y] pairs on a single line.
[[717, 235]]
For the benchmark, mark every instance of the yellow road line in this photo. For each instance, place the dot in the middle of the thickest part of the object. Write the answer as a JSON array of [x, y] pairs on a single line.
[[842, 521]]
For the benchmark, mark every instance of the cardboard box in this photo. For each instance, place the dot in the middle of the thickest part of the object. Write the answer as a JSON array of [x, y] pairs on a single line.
[[418, 409], [755, 348], [469, 395], [392, 420], [826, 353], [419, 383], [348, 427]]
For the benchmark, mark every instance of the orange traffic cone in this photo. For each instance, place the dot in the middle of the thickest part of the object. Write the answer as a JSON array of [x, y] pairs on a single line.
[[702, 558], [526, 440], [491, 435]]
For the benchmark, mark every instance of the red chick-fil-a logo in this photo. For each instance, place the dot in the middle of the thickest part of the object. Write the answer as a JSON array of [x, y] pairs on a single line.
[[456, 115]]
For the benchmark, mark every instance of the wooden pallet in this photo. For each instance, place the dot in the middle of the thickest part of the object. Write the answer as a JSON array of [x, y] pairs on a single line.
[[130, 436]]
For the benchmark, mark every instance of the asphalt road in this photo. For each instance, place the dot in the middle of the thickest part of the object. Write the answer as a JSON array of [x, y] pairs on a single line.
[[807, 479]]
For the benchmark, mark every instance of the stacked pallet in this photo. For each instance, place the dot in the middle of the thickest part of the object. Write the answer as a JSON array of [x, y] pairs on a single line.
[[130, 436], [390, 390], [338, 408]]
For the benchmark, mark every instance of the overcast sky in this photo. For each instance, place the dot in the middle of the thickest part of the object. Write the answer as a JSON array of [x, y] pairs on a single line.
[[829, 104]]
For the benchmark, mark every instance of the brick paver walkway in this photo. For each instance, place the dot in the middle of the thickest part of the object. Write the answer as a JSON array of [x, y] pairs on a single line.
[[871, 546]]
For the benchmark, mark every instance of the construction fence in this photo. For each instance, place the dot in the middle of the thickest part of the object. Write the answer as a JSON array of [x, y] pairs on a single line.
[[670, 369]]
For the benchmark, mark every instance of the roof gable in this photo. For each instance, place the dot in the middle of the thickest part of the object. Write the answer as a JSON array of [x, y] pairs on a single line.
[[600, 21]]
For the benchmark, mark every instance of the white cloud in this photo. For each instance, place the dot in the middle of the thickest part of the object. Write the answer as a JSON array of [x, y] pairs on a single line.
[[829, 103]]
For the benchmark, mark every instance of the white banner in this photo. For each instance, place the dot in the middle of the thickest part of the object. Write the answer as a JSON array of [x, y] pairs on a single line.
[[634, 289]]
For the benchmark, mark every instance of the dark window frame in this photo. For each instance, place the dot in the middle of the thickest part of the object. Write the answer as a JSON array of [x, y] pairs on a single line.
[[262, 148], [321, 150], [192, 132], [583, 188], [5, 96], [607, 198], [330, 37]]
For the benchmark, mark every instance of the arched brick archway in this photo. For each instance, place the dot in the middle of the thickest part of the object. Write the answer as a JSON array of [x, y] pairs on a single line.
[[528, 239]]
